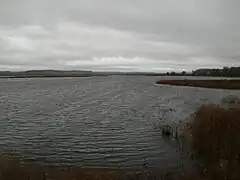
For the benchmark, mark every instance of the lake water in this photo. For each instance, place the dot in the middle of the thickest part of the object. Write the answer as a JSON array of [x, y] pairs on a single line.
[[96, 121]]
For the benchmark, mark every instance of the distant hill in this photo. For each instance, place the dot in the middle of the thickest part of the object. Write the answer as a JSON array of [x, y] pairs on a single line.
[[45, 73]]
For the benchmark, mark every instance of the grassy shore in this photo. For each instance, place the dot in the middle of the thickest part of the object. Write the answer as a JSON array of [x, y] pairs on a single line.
[[217, 84], [215, 139], [11, 168]]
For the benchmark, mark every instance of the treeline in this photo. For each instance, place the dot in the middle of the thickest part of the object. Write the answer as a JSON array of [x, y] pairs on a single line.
[[183, 73], [222, 72]]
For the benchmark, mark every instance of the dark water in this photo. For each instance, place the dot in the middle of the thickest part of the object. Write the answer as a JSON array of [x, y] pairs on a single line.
[[99, 121]]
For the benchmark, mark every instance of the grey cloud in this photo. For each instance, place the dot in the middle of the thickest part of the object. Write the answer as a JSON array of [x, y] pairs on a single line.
[[165, 34]]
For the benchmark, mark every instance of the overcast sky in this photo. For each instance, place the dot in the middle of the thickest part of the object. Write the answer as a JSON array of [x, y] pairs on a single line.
[[119, 35]]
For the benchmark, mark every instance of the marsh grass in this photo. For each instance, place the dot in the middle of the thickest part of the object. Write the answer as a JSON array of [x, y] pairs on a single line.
[[215, 131], [217, 84], [11, 168], [211, 136]]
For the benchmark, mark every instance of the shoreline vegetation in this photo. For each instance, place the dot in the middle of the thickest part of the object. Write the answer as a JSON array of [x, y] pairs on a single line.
[[216, 84], [224, 72], [211, 135], [61, 73]]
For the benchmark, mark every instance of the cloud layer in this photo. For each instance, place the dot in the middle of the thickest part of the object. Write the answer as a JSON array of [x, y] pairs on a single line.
[[126, 35]]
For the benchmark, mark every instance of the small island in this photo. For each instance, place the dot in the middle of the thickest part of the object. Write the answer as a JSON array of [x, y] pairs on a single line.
[[222, 83], [216, 84]]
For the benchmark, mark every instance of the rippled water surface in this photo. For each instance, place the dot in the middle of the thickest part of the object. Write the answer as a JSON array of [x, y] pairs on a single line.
[[98, 121]]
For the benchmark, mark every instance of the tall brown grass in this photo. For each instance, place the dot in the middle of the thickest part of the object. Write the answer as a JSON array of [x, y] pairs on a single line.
[[216, 139], [11, 168], [217, 84], [216, 132]]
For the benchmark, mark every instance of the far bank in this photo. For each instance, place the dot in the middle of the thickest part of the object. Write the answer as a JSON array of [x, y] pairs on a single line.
[[216, 84]]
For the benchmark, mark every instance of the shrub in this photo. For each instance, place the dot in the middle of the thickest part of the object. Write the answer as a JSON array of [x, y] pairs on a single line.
[[215, 139], [216, 132]]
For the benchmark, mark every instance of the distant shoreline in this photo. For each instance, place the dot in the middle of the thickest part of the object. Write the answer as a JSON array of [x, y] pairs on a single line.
[[23, 77], [214, 84], [62, 73]]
